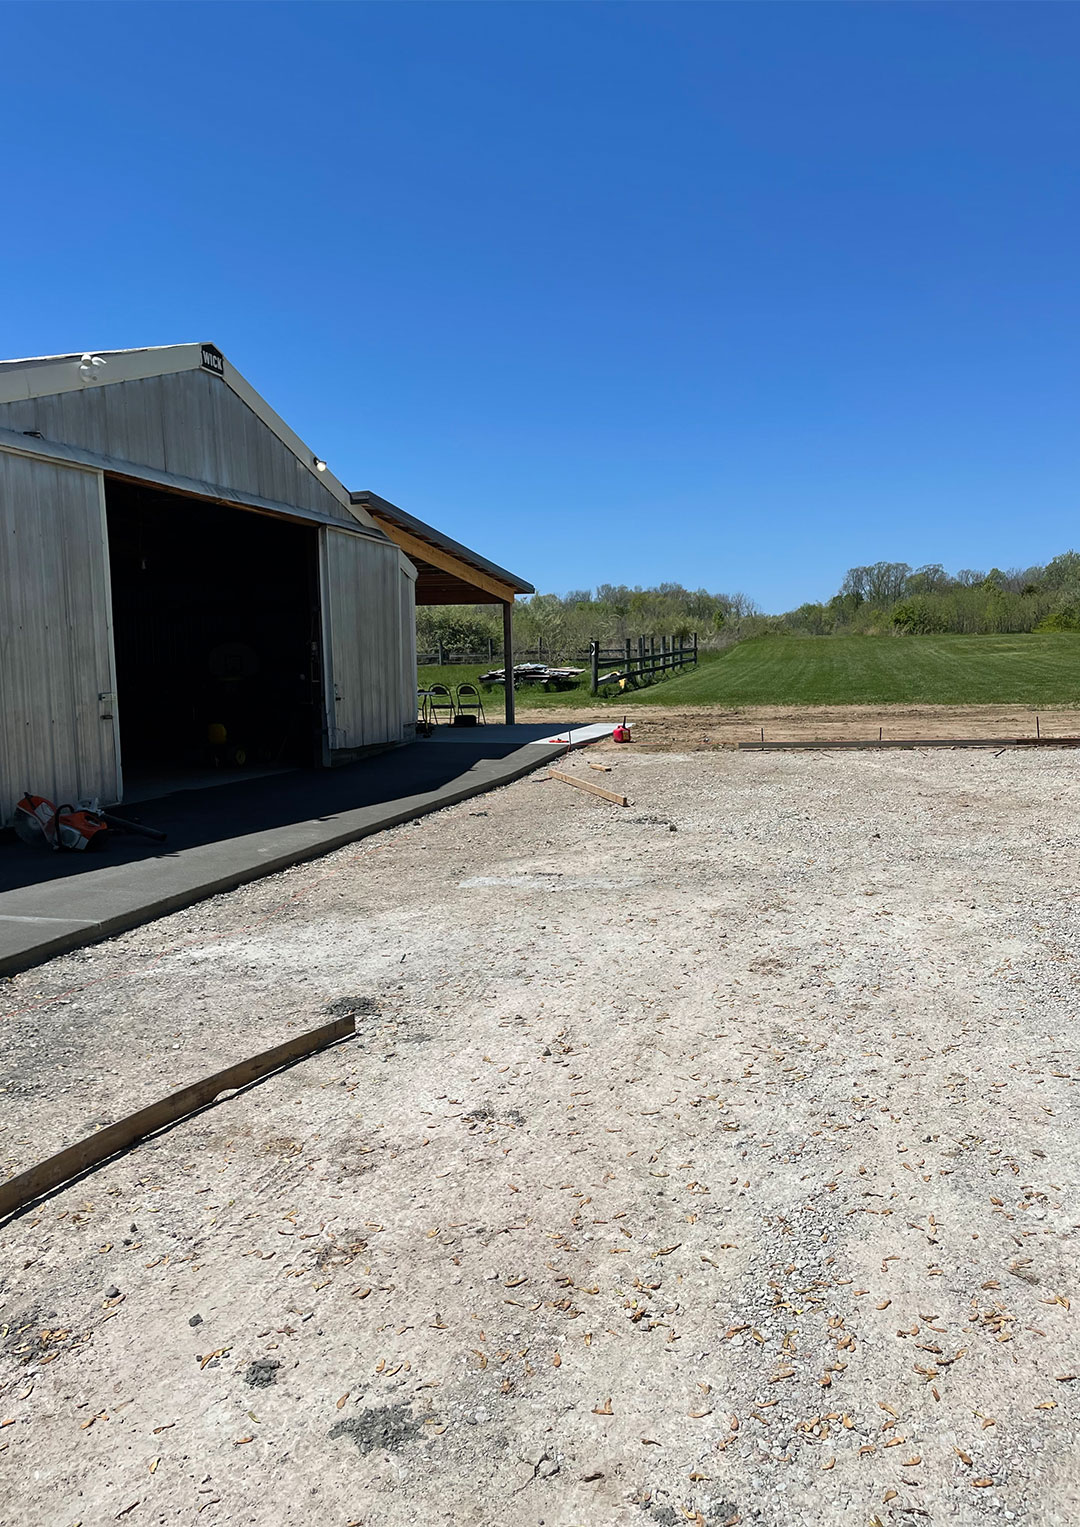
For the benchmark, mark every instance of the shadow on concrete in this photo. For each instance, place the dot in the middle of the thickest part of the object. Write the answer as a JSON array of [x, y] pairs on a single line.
[[193, 818]]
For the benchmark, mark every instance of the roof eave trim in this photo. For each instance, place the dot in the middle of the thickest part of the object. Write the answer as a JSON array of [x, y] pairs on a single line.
[[377, 506]]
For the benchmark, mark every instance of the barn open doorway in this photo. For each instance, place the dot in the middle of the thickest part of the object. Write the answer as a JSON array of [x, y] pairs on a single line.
[[216, 631]]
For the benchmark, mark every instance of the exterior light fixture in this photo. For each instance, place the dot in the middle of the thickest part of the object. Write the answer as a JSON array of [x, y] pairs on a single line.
[[89, 366], [320, 466]]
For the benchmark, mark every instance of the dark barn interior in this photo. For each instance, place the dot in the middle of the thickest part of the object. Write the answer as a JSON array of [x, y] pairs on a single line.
[[216, 628]]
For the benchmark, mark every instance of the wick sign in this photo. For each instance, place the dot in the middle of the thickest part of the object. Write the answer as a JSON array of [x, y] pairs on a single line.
[[213, 360]]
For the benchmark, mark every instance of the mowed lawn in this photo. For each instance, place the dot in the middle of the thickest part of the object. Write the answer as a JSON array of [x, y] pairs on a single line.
[[883, 670], [842, 670]]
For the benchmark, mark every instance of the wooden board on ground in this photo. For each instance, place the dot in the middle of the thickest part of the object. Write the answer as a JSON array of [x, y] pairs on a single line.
[[587, 784], [98, 1147]]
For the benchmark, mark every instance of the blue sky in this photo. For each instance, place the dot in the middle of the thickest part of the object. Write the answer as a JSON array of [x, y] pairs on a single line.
[[734, 295]]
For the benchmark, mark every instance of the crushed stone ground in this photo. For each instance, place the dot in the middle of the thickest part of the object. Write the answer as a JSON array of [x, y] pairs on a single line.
[[718, 1174]]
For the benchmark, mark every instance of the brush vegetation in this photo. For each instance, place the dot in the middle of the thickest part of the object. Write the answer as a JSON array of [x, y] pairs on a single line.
[[881, 599]]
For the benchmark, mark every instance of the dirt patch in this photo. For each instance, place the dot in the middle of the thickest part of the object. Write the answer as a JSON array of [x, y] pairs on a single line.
[[678, 728], [723, 1513], [349, 1007], [487, 1113], [262, 1372], [388, 1428], [32, 1337]]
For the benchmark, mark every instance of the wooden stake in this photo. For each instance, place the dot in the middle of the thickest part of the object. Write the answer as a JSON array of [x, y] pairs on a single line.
[[98, 1147], [587, 784]]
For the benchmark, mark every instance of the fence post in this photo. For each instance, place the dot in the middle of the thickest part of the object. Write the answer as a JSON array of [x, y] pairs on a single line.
[[594, 660], [491, 649], [641, 655], [695, 646], [626, 660], [440, 649]]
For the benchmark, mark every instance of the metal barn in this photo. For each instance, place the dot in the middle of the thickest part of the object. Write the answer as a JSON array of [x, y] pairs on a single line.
[[182, 582]]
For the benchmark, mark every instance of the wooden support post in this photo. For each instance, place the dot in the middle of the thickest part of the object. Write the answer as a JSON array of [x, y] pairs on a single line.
[[626, 659], [594, 664], [695, 646], [508, 663], [641, 655]]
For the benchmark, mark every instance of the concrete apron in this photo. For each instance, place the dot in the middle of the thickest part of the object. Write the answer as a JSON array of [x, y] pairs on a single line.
[[53, 916]]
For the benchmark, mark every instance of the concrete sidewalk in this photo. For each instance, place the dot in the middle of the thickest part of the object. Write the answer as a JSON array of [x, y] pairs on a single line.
[[222, 837]]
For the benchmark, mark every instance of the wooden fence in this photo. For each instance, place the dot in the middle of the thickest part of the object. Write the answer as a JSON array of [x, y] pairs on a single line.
[[642, 660], [443, 654]]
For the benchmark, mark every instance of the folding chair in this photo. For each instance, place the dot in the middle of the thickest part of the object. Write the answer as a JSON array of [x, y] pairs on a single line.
[[439, 699], [469, 702]]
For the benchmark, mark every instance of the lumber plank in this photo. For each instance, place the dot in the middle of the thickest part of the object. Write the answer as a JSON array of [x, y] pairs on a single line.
[[104, 1143], [587, 784]]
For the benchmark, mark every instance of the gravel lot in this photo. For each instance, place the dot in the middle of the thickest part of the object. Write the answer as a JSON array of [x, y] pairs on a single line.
[[705, 1161]]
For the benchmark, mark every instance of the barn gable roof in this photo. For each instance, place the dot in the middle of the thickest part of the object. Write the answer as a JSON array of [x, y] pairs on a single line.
[[72, 399]]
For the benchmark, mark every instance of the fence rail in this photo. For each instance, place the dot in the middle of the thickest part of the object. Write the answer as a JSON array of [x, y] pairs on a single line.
[[633, 661], [641, 661], [443, 654]]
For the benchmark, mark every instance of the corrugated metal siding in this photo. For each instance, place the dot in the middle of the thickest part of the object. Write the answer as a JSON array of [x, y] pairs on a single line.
[[363, 597], [55, 640], [190, 423], [407, 640]]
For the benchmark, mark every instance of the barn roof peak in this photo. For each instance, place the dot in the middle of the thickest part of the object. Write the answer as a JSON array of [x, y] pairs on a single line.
[[88, 370]]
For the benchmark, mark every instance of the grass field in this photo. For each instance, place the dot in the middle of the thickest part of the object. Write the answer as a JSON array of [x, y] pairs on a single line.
[[847, 670], [884, 670]]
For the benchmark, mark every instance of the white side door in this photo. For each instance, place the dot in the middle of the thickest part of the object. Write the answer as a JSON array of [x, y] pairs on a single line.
[[361, 601], [60, 732]]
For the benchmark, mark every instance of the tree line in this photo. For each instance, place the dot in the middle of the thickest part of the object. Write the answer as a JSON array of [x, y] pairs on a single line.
[[560, 626], [881, 598], [921, 601]]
